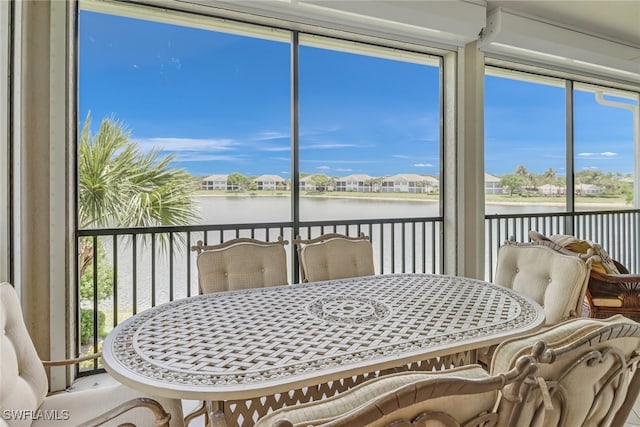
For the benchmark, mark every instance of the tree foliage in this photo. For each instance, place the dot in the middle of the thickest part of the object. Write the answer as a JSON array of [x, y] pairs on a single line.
[[119, 185], [512, 182], [239, 182], [522, 181], [320, 181]]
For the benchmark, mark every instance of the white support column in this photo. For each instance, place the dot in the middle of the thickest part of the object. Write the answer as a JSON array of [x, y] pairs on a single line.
[[449, 164], [60, 236], [470, 163], [5, 178], [41, 215]]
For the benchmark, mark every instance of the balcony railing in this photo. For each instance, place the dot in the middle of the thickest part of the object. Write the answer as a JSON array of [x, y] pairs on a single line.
[[144, 267], [138, 268], [616, 231]]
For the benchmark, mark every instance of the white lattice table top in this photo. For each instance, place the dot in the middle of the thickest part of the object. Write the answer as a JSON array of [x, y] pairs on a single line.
[[243, 344]]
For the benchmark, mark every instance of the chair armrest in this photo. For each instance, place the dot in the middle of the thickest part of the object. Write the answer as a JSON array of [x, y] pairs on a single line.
[[161, 416], [616, 278], [66, 362]]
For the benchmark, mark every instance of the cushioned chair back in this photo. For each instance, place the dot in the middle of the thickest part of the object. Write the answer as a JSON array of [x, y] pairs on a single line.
[[454, 397], [336, 258], [589, 368], [556, 281], [242, 264], [23, 381]]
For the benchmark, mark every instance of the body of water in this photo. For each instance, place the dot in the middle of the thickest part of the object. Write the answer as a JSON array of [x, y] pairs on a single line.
[[142, 267], [248, 209]]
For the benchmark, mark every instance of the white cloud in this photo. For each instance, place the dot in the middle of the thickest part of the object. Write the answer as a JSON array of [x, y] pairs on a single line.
[[340, 161], [423, 165], [603, 154], [176, 62], [328, 146], [344, 170], [185, 144], [197, 157], [267, 135], [275, 148], [401, 156], [323, 167]]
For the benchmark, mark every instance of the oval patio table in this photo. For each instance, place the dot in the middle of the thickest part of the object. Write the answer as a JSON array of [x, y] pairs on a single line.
[[315, 338]]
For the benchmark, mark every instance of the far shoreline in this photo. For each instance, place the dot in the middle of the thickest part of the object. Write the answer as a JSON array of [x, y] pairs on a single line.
[[521, 201]]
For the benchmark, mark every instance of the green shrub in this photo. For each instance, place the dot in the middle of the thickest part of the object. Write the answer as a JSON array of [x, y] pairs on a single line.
[[86, 325]]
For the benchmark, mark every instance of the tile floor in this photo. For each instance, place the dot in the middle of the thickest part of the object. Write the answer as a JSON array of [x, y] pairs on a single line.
[[634, 417]]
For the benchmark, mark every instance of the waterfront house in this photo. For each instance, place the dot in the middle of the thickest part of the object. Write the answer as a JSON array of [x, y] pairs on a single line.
[[306, 183], [587, 189], [551, 190], [409, 183], [270, 182], [357, 182], [492, 184], [215, 182]]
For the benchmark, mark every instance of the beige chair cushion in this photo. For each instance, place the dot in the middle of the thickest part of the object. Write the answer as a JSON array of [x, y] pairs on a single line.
[[556, 281], [337, 258], [606, 261], [23, 380], [242, 266], [82, 406], [24, 384], [562, 333], [463, 406], [605, 265]]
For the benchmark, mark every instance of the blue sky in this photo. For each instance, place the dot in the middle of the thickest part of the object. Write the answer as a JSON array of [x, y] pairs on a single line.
[[221, 103]]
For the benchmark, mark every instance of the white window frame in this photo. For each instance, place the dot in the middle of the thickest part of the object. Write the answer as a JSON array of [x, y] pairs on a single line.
[[5, 177]]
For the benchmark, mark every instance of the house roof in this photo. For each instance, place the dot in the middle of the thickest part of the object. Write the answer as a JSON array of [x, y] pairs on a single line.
[[216, 178], [490, 178], [413, 177], [356, 177], [269, 178], [586, 186]]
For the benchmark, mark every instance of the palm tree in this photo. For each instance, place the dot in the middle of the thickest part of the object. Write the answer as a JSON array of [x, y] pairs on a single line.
[[120, 186]]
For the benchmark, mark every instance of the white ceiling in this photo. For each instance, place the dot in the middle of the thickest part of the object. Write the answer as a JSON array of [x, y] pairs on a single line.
[[564, 41], [619, 20]]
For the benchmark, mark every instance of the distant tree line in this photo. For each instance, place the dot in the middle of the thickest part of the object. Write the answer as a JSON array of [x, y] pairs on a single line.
[[523, 182]]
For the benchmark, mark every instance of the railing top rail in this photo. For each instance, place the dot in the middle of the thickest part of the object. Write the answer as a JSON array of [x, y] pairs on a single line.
[[562, 214], [247, 226]]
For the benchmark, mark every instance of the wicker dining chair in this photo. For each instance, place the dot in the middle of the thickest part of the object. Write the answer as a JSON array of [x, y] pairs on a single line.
[[587, 373], [24, 398], [334, 256], [612, 289], [241, 263]]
